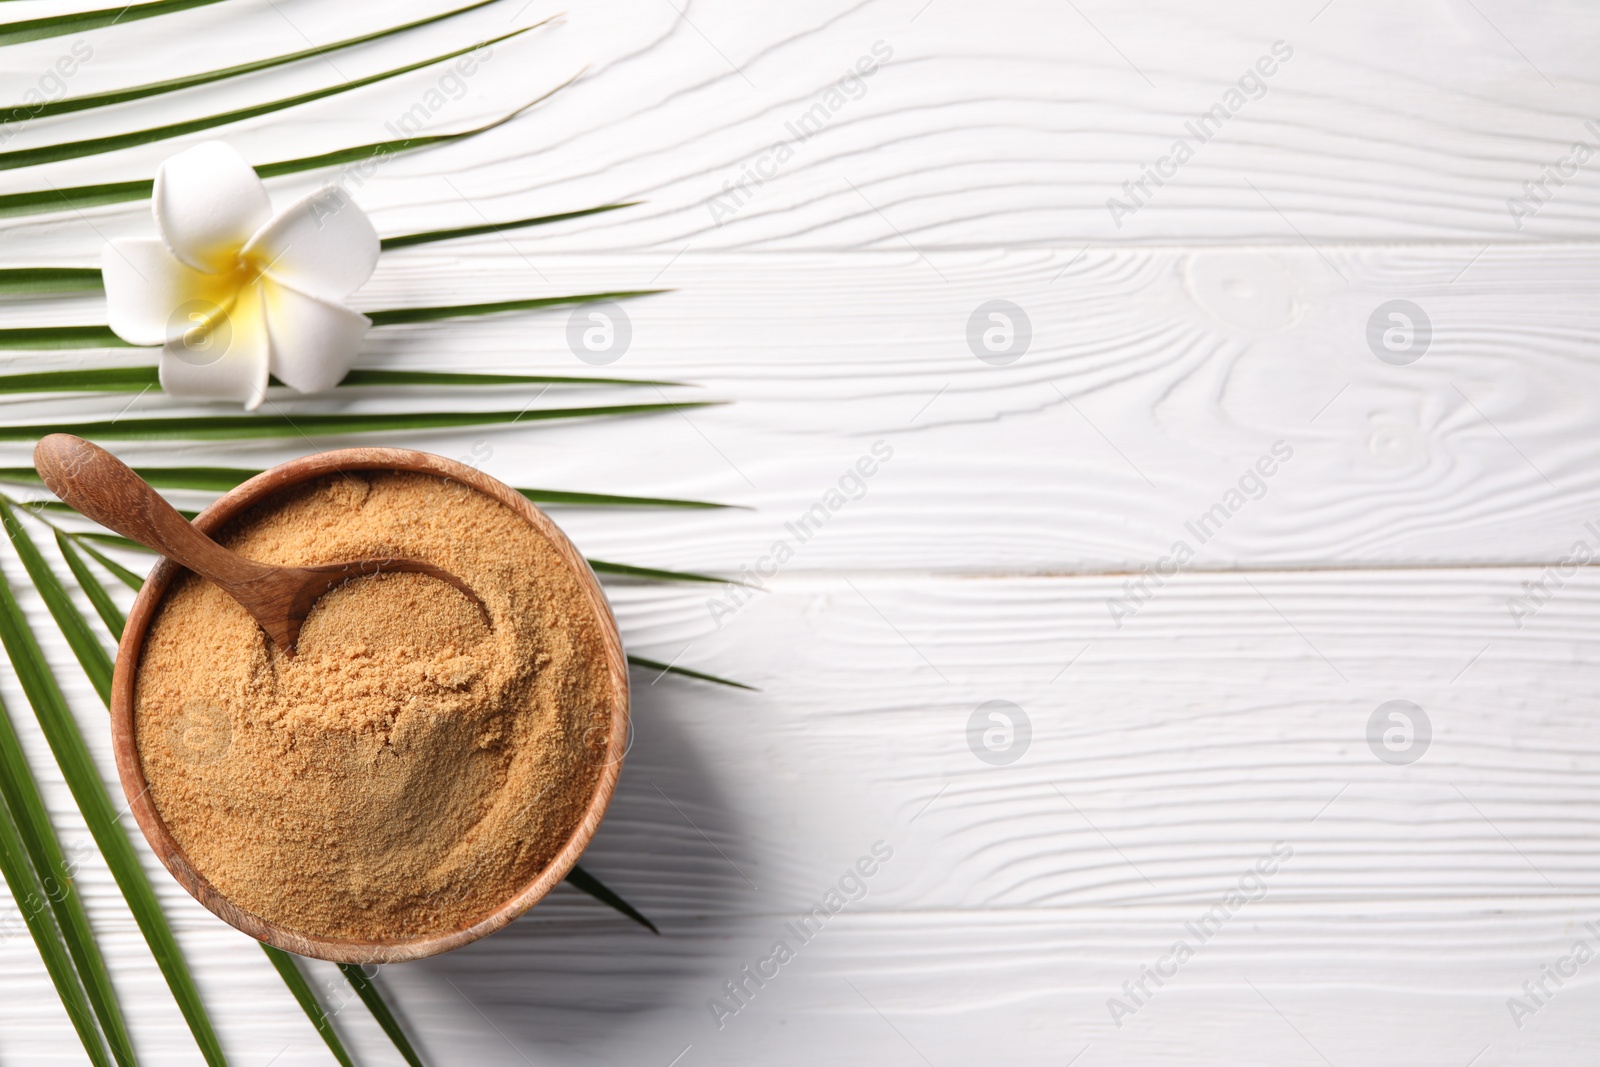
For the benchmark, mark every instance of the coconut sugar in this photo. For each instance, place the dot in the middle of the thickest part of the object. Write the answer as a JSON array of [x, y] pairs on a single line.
[[411, 767]]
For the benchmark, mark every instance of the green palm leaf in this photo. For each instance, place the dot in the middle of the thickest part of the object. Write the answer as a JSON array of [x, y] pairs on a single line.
[[32, 157], [114, 539], [24, 886], [104, 606], [74, 627], [221, 479], [409, 239], [285, 965], [138, 379], [625, 570], [685, 672], [123, 574], [32, 281], [41, 338], [579, 878], [64, 937], [380, 151], [83, 779], [172, 85], [78, 197], [50, 338], [450, 378], [256, 427], [57, 25], [85, 380], [368, 992], [37, 507], [217, 479], [47, 864], [581, 500], [396, 316]]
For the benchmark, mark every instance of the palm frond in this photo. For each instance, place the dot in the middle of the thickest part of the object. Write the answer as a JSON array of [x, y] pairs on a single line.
[[38, 281], [685, 672], [89, 792], [69, 104], [31, 858], [579, 878], [35, 507], [358, 378], [24, 885], [138, 379], [396, 316], [33, 157], [49, 338], [34, 281], [75, 198], [67, 922], [122, 574], [258, 427], [407, 240], [368, 992], [221, 479], [216, 479], [301, 990], [91, 656], [78, 22], [78, 197], [104, 606], [626, 570], [592, 500], [116, 540]]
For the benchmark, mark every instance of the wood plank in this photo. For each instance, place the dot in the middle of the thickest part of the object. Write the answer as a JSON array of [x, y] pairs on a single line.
[[1154, 382], [1229, 714], [1013, 127], [1225, 713]]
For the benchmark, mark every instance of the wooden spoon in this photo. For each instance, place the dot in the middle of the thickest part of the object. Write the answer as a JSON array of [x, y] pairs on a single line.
[[101, 486]]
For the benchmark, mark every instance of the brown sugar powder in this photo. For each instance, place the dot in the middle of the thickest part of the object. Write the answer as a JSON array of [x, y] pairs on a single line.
[[411, 767]]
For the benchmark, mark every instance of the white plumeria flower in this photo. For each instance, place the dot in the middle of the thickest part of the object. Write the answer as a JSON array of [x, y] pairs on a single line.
[[233, 293]]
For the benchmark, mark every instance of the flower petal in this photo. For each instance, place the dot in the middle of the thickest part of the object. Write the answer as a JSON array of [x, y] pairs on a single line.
[[224, 357], [314, 341], [207, 203], [146, 288], [324, 245]]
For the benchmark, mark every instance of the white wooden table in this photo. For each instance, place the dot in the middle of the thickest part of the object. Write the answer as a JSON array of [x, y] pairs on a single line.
[[1197, 693]]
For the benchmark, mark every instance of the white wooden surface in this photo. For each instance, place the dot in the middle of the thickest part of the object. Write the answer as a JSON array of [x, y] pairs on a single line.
[[1226, 714]]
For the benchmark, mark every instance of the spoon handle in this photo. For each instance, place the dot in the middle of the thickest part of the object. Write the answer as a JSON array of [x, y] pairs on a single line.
[[105, 489]]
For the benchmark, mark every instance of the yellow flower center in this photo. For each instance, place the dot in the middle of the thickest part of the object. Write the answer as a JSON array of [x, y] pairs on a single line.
[[209, 310]]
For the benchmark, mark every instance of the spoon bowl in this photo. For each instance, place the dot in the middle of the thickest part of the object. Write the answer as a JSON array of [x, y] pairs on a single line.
[[102, 487]]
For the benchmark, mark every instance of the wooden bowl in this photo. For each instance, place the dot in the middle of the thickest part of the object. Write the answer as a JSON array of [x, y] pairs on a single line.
[[131, 770]]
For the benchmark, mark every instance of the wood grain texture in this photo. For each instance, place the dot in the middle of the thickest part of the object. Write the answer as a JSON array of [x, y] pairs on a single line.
[[1165, 759], [1414, 547], [1006, 127], [1154, 381]]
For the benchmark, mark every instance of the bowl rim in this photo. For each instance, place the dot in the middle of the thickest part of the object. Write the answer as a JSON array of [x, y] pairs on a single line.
[[130, 770]]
